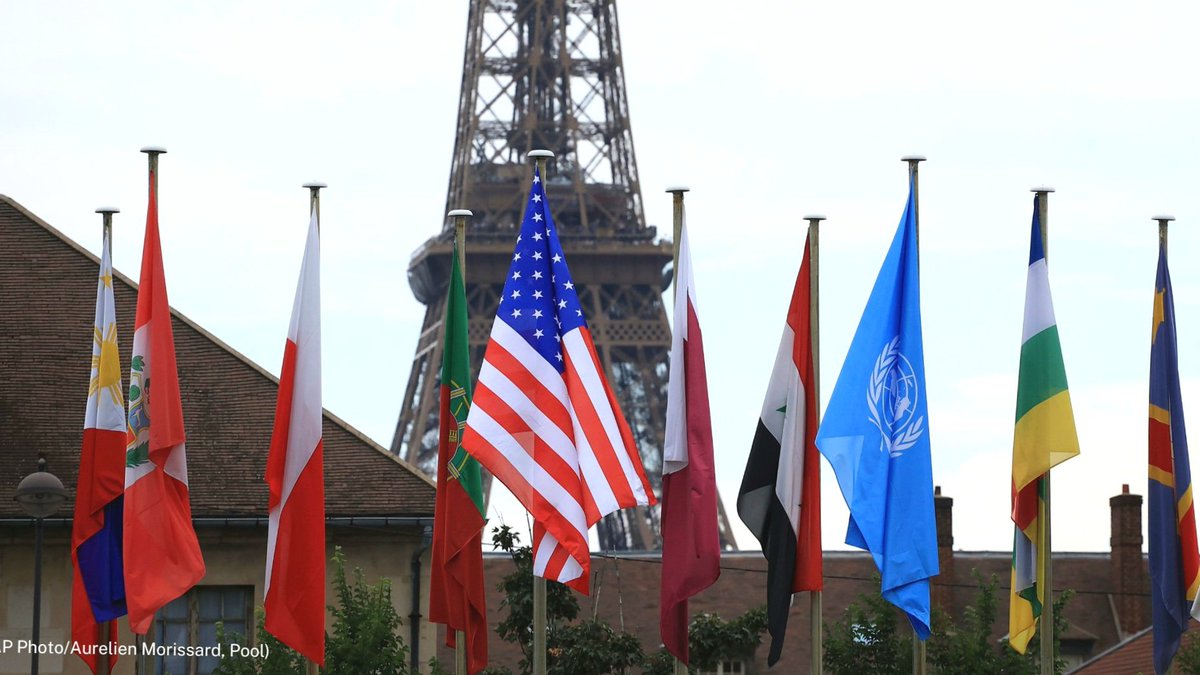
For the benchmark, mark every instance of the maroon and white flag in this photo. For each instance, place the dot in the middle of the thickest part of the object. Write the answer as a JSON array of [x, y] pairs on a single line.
[[691, 543]]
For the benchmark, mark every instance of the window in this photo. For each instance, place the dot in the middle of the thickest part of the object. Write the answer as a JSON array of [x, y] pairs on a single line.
[[727, 667], [191, 620]]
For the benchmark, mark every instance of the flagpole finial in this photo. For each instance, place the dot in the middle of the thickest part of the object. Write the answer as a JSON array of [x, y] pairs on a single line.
[[678, 188], [314, 196], [913, 159], [154, 150], [539, 154], [814, 217], [459, 212], [1162, 219], [1041, 188], [107, 209], [314, 185]]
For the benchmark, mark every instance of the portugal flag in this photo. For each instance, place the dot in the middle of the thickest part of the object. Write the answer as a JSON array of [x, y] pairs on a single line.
[[294, 598], [780, 497], [456, 567], [98, 588], [162, 558]]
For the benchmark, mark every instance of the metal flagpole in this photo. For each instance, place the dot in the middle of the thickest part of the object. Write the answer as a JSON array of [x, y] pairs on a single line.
[[913, 161], [539, 583], [314, 206], [680, 668], [460, 217], [103, 659], [141, 667], [1046, 621], [814, 597]]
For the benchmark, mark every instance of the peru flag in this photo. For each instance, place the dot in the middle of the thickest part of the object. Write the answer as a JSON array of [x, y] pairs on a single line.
[[691, 544], [98, 588], [294, 598], [162, 560]]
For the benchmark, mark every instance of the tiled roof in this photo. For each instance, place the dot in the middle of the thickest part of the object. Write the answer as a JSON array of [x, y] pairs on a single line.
[[47, 301]]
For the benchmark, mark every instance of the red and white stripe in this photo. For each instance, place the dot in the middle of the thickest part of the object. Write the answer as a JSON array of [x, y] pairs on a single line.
[[558, 441], [294, 595]]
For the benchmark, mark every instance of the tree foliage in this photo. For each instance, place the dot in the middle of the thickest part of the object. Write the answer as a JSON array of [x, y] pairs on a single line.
[[873, 637], [365, 638]]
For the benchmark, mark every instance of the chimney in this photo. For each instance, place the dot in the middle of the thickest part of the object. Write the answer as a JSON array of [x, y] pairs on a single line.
[[943, 584], [1128, 572]]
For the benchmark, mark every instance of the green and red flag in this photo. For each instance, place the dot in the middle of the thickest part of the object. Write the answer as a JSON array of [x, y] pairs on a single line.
[[456, 594]]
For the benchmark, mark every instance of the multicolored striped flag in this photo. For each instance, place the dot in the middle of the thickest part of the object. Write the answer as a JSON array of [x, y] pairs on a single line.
[[98, 587], [544, 420], [780, 497], [162, 558], [456, 590], [691, 553], [1174, 558], [294, 593], [1044, 437]]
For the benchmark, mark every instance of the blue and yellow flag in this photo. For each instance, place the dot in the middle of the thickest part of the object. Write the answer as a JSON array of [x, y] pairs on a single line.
[[1174, 558], [876, 433]]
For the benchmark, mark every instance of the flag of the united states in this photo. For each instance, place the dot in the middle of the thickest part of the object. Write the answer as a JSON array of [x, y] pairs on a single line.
[[543, 419]]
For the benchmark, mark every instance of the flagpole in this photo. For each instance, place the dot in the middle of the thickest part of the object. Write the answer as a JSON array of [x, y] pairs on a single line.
[[913, 161], [814, 597], [1162, 230], [141, 667], [102, 659], [1046, 621], [539, 583], [680, 668], [460, 217], [314, 206]]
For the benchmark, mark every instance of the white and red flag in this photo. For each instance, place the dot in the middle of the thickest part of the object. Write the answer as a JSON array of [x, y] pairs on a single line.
[[294, 599], [162, 555], [544, 420], [691, 542]]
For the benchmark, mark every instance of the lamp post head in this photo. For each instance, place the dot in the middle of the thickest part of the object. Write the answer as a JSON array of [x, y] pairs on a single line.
[[41, 493]]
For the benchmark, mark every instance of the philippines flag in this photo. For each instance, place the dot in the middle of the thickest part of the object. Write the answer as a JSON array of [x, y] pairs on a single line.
[[294, 597], [98, 588], [544, 420]]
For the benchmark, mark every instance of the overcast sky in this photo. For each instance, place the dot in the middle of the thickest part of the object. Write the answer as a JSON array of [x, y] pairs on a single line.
[[767, 110]]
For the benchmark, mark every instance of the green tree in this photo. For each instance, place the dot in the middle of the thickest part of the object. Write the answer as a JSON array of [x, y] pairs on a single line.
[[866, 640], [967, 646], [365, 638], [281, 659], [711, 640]]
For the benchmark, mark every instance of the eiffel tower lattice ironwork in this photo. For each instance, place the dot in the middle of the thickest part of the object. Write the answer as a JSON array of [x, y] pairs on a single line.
[[548, 74]]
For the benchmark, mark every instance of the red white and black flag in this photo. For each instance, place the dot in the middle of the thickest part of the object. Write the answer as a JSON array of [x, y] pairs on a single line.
[[780, 497]]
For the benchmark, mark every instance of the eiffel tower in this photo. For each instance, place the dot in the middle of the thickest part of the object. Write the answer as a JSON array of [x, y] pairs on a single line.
[[548, 74]]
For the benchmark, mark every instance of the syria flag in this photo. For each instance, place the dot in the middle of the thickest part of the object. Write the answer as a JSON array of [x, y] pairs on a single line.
[[162, 554], [691, 544], [294, 599], [780, 497]]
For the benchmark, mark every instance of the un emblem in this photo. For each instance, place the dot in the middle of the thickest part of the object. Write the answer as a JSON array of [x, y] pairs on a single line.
[[892, 396]]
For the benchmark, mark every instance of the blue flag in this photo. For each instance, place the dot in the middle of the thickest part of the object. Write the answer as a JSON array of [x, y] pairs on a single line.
[[875, 433]]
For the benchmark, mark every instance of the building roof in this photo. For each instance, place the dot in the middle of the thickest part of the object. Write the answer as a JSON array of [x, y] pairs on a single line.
[[47, 301]]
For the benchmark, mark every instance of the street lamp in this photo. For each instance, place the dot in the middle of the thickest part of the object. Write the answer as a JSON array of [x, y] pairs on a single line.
[[39, 494]]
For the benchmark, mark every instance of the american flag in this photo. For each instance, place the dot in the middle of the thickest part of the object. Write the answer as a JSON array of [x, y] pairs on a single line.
[[544, 420]]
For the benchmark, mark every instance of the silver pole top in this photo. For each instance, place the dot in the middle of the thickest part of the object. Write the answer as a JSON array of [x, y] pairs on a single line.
[[1163, 219], [1041, 188], [814, 216], [678, 188], [314, 185], [459, 212], [913, 158], [113, 209], [539, 154], [154, 150]]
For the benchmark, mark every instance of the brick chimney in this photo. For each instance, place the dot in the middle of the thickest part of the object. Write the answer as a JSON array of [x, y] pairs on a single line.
[[943, 584], [1128, 572]]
